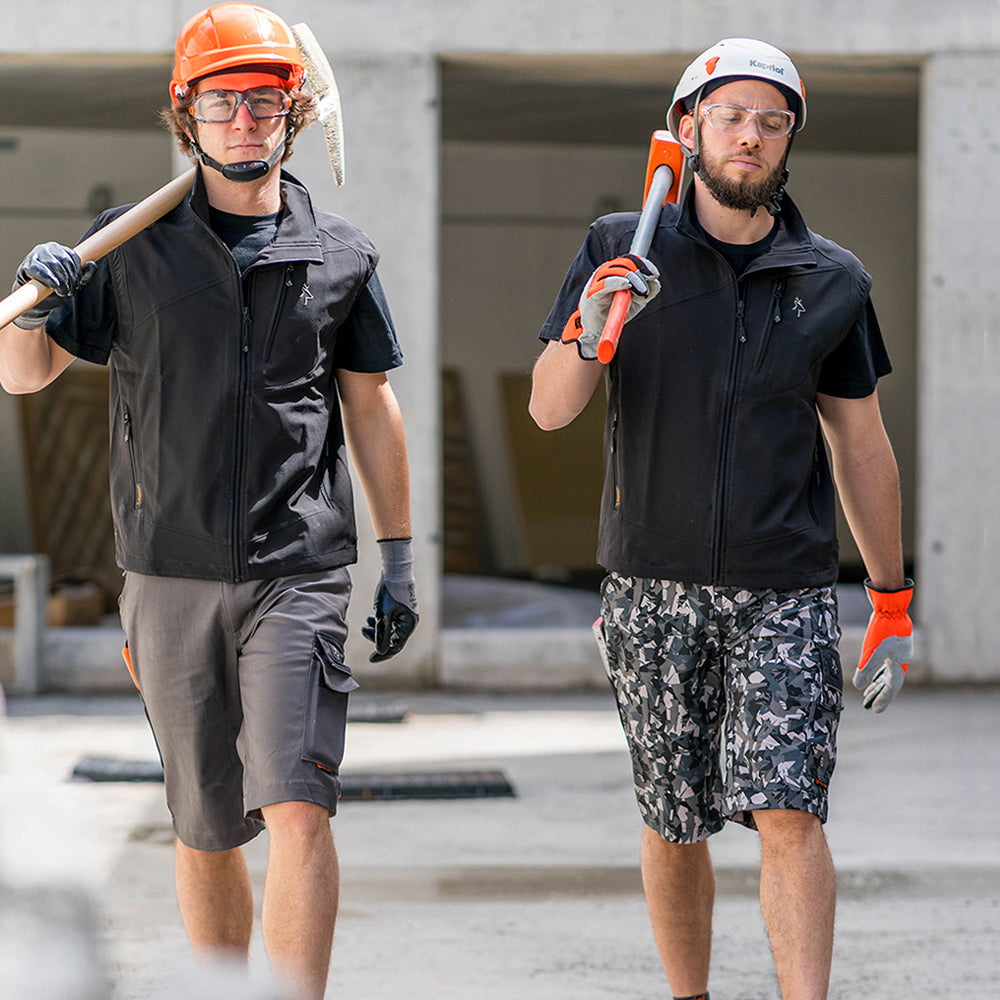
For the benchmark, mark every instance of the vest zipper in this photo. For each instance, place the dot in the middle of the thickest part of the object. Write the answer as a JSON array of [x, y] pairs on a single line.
[[615, 477], [720, 485], [127, 434], [773, 317], [817, 478], [272, 327], [238, 554]]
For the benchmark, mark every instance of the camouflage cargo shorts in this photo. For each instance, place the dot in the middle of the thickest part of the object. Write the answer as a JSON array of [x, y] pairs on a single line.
[[729, 699]]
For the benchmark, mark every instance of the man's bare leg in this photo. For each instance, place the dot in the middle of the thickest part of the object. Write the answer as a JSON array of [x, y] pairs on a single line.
[[680, 893], [216, 902], [300, 896], [798, 894]]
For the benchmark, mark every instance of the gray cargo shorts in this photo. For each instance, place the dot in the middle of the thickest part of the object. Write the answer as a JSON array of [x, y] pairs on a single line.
[[729, 699], [246, 689]]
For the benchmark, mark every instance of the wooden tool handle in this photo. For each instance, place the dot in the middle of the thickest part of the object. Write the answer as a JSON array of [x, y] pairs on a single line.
[[101, 243], [135, 220]]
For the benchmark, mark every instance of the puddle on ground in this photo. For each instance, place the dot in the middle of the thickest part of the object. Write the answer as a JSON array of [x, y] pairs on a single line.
[[529, 883], [485, 882], [470, 883], [511, 882]]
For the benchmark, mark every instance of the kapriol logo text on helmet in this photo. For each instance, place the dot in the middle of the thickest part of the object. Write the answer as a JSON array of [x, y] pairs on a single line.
[[768, 67]]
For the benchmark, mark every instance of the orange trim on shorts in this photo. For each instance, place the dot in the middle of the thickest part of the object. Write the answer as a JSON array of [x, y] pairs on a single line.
[[127, 657]]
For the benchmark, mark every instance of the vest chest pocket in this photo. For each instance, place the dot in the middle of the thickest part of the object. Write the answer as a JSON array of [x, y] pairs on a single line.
[[294, 327], [790, 344]]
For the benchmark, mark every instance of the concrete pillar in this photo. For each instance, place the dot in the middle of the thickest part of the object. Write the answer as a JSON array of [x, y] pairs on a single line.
[[30, 574], [392, 137], [959, 368]]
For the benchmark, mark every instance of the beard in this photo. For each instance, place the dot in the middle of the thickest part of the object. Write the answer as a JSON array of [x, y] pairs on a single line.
[[744, 194]]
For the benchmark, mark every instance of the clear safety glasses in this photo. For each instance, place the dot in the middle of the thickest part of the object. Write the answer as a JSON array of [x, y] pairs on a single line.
[[222, 105], [732, 119]]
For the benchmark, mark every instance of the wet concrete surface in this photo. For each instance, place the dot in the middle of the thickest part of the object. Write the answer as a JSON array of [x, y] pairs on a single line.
[[538, 896]]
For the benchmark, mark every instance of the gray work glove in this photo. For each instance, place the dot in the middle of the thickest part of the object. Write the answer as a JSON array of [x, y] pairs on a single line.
[[57, 267], [395, 603], [887, 648], [632, 272]]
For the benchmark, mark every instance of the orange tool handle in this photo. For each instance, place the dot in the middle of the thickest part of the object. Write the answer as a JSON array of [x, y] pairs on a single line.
[[660, 187], [101, 243], [608, 343], [663, 180]]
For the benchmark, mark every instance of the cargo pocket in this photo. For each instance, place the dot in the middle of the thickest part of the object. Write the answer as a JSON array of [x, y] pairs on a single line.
[[330, 682], [827, 716], [833, 679]]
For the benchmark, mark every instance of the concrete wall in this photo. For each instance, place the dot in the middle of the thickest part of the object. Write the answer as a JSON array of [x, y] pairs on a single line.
[[505, 249], [618, 26], [960, 365]]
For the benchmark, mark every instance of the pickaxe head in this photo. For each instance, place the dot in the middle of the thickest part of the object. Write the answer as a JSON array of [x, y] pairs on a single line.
[[321, 84]]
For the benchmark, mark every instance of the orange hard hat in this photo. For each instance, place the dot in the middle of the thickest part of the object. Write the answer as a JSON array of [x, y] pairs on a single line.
[[231, 35]]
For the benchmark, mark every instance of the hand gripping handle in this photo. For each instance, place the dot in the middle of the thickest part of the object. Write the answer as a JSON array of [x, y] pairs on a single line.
[[663, 172]]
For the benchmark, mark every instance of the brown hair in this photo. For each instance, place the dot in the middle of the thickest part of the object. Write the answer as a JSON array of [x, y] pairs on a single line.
[[179, 120]]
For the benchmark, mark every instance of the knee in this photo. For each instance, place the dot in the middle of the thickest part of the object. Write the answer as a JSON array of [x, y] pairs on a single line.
[[788, 829], [654, 846], [301, 822], [207, 862]]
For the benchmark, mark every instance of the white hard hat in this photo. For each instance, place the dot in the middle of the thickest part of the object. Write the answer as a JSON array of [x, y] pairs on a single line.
[[738, 59]]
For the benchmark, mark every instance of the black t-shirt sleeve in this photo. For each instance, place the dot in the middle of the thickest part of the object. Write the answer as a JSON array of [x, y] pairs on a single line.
[[85, 325], [367, 340], [590, 256], [852, 369]]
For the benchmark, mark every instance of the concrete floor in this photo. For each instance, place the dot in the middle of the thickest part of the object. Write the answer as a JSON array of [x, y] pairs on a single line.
[[533, 896]]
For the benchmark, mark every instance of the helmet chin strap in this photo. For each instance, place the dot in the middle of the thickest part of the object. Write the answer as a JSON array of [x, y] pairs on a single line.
[[242, 170], [693, 156], [773, 204]]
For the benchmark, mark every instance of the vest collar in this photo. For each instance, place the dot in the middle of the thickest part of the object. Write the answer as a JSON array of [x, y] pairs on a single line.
[[792, 246], [297, 238]]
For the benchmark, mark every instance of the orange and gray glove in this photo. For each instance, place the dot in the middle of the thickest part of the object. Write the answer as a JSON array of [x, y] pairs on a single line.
[[57, 267], [395, 602], [888, 646], [632, 272]]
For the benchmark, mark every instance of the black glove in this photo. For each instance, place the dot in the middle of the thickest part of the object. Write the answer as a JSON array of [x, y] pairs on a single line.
[[57, 267], [395, 604]]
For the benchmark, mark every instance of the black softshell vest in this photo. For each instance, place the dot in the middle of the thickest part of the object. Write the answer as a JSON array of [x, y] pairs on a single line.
[[715, 468], [228, 457]]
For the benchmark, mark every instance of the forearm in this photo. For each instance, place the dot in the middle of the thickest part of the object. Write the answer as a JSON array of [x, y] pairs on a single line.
[[29, 360], [375, 435], [867, 477], [868, 484], [561, 385], [386, 483]]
